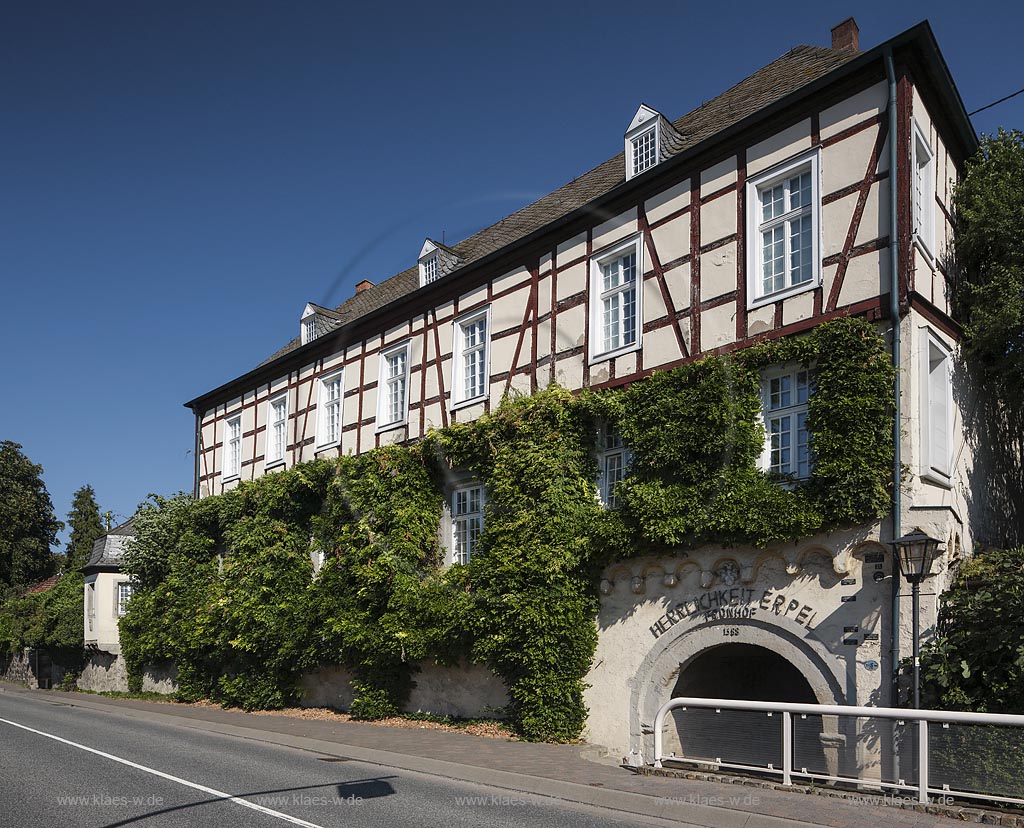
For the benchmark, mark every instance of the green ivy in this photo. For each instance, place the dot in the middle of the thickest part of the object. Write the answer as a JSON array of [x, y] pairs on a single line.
[[227, 589]]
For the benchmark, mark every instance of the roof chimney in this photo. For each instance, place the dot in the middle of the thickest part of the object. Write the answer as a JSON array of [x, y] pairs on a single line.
[[363, 285], [846, 36]]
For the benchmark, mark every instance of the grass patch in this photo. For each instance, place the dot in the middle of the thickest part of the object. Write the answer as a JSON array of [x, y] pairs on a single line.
[[147, 695]]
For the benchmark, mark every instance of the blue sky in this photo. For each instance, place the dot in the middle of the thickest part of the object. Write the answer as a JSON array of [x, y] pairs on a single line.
[[178, 179]]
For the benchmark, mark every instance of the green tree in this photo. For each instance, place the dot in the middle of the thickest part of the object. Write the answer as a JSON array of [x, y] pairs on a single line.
[[975, 662], [86, 526], [52, 620], [28, 527], [976, 659], [987, 289], [989, 277]]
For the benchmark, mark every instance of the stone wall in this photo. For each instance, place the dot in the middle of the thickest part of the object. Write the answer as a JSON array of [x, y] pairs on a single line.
[[31, 668], [465, 692], [327, 687], [15, 668], [105, 672]]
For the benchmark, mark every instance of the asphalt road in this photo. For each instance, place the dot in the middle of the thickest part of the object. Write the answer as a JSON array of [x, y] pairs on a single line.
[[68, 766]]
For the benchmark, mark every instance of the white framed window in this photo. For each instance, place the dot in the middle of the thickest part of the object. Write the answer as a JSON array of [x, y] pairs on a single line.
[[644, 150], [936, 408], [90, 606], [467, 521], [430, 271], [393, 387], [309, 329], [643, 141], [784, 230], [330, 390], [124, 593], [787, 449], [471, 357], [232, 447], [923, 193], [277, 430], [615, 297], [613, 462]]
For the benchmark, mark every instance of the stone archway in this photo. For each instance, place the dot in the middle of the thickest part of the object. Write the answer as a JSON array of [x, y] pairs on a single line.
[[743, 671], [666, 663], [752, 673]]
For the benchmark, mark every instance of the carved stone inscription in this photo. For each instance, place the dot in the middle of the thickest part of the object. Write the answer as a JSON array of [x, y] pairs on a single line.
[[736, 602]]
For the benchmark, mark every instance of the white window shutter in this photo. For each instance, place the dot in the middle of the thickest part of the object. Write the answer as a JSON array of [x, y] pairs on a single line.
[[938, 411]]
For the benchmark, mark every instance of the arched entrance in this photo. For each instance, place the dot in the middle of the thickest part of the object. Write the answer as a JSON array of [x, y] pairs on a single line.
[[743, 671], [751, 673], [778, 655]]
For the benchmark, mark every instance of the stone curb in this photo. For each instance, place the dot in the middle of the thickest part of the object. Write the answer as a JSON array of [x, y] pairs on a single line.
[[687, 815], [957, 812]]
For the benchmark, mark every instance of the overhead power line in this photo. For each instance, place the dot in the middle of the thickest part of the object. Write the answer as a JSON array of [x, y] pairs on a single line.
[[995, 103]]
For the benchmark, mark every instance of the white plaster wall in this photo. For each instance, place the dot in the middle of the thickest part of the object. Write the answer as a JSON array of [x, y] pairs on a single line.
[[779, 147], [101, 630], [718, 326], [678, 282], [572, 249], [509, 280], [718, 268], [853, 110], [928, 266], [614, 230], [571, 281], [718, 218], [672, 240], [845, 162], [791, 592], [718, 176], [940, 508], [668, 201]]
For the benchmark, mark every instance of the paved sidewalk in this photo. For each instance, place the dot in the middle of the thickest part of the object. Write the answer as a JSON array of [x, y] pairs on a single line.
[[545, 770]]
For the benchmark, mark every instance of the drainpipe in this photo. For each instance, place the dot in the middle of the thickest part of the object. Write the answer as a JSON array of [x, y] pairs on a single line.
[[894, 316], [196, 456]]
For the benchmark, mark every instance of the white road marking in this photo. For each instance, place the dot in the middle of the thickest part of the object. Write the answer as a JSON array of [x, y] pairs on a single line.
[[195, 785]]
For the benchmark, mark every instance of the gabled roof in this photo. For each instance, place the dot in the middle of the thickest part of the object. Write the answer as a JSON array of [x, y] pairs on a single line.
[[799, 70], [44, 586]]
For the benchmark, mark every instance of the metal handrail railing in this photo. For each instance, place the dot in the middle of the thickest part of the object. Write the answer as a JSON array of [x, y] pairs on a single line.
[[922, 717]]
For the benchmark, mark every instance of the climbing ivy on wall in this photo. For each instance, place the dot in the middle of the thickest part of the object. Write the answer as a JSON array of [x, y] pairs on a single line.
[[227, 588]]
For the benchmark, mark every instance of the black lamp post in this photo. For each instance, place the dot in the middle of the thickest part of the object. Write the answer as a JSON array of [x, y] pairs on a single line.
[[915, 553]]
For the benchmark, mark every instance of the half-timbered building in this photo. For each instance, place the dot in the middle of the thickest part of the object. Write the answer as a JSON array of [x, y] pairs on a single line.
[[816, 188]]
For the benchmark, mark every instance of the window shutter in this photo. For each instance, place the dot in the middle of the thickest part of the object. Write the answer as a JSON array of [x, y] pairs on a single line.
[[938, 411]]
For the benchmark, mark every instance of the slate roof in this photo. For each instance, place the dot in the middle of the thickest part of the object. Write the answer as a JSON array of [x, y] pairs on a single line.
[[795, 69], [108, 550]]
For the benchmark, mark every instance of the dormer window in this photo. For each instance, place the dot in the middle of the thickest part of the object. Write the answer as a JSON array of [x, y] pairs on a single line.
[[645, 150], [430, 268], [436, 261], [643, 141], [650, 139], [316, 321]]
